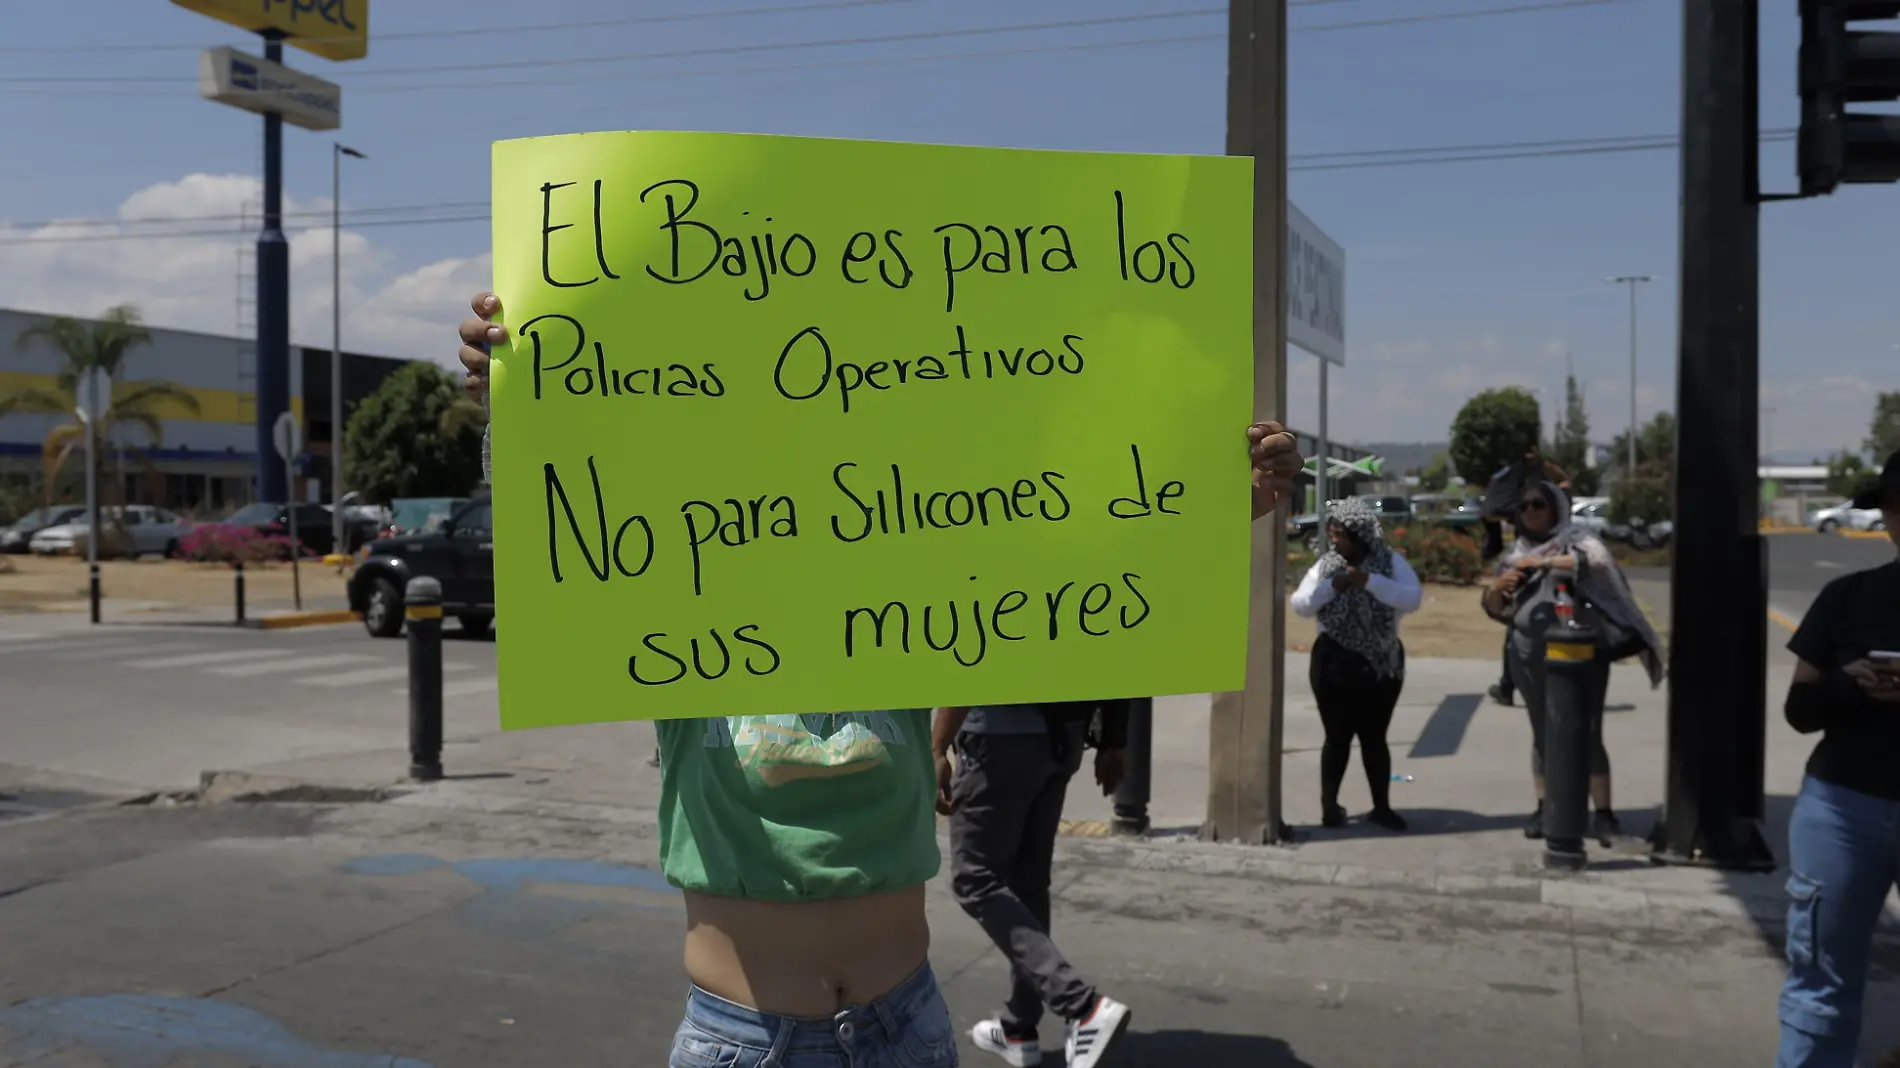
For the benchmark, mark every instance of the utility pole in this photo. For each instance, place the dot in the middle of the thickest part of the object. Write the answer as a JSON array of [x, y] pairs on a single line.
[[273, 301], [1632, 281], [337, 151], [1243, 790], [1718, 654]]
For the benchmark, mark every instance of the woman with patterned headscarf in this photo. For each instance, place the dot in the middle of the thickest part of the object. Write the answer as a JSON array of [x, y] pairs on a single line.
[[1357, 591], [1524, 598]]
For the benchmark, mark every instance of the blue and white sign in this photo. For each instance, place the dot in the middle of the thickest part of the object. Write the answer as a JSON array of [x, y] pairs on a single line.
[[229, 76]]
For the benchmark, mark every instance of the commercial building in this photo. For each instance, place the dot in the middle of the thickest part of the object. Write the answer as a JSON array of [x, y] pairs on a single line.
[[205, 462]]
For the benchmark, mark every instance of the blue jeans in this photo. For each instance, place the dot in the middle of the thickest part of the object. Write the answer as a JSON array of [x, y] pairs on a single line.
[[906, 1028], [1843, 857]]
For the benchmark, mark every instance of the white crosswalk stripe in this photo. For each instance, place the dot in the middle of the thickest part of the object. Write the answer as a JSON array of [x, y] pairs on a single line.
[[357, 678], [205, 659], [283, 666]]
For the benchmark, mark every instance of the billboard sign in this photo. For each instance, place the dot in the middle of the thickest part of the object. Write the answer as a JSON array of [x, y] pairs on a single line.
[[229, 76], [333, 29], [1315, 289]]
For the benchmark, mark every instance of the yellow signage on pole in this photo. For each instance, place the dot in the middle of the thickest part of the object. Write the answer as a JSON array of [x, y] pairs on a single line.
[[800, 425], [333, 29]]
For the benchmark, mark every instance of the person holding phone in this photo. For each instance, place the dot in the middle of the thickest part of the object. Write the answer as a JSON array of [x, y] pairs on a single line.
[[1844, 835], [802, 843]]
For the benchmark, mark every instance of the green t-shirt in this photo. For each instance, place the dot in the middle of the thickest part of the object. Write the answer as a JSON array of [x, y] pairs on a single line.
[[798, 807]]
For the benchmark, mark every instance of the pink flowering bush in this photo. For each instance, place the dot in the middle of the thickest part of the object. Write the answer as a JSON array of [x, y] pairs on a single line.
[[221, 543]]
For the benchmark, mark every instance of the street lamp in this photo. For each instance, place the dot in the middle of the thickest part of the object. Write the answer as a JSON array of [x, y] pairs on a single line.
[[1631, 280], [337, 152]]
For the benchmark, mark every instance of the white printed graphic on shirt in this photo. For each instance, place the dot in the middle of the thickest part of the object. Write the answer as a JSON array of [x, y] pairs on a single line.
[[788, 748]]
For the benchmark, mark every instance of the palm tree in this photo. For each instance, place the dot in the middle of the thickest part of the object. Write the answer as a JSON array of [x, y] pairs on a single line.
[[103, 343]]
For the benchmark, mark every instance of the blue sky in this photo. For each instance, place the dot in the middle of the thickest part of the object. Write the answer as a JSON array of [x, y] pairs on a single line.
[[1460, 275]]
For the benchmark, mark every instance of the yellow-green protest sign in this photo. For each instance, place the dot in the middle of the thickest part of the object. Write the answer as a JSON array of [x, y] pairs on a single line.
[[798, 425]]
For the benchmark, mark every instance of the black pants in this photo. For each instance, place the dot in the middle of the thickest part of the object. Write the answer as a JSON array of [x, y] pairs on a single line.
[[1353, 703], [1008, 791], [1507, 686]]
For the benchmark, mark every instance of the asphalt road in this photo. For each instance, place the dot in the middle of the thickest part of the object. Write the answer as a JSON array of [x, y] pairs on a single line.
[[1798, 566], [129, 708], [402, 936]]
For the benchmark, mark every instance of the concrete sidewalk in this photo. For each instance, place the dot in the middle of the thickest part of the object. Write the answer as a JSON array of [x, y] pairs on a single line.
[[453, 927], [1467, 791]]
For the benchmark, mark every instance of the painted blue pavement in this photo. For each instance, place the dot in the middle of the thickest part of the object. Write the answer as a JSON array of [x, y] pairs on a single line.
[[142, 1031], [509, 906]]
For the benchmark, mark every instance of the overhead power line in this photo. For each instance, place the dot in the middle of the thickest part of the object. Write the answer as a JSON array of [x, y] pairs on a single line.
[[544, 27], [488, 31], [1318, 161], [894, 38]]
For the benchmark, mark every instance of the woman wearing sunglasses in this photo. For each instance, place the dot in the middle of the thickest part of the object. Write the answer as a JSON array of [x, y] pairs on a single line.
[[1549, 547]]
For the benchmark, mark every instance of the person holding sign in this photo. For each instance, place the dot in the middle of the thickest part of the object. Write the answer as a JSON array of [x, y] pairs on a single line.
[[802, 844], [1358, 591]]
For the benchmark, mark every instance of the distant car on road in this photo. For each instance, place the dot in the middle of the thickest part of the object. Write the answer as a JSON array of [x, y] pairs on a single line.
[[147, 531], [16, 536], [1304, 529], [313, 529], [1845, 517], [1591, 514], [418, 515], [459, 553]]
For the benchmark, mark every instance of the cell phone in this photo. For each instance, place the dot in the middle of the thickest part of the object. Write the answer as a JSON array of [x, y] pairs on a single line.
[[1885, 660]]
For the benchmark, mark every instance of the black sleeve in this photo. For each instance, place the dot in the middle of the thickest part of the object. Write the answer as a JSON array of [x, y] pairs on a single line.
[[1814, 640], [1816, 706]]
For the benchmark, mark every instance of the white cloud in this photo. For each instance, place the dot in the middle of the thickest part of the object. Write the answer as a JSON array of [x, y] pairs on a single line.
[[184, 273]]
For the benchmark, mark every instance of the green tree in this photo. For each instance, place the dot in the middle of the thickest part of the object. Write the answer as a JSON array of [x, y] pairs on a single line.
[[1883, 435], [105, 343], [1570, 441], [1648, 494], [395, 446], [1492, 430], [1435, 476], [1655, 444], [1848, 474]]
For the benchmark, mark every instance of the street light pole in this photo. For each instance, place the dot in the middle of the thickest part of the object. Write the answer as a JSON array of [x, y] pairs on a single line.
[[1631, 280], [337, 152]]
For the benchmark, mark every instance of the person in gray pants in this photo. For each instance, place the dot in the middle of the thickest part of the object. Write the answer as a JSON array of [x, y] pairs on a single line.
[[1004, 798]]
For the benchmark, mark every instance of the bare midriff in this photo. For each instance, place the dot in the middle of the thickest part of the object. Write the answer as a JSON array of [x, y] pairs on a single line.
[[805, 958]]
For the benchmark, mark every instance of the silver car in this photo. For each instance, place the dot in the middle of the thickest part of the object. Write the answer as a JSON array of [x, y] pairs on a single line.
[[148, 531], [1845, 517]]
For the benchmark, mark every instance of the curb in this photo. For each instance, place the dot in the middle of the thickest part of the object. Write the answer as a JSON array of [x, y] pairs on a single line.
[[287, 620], [1865, 535]]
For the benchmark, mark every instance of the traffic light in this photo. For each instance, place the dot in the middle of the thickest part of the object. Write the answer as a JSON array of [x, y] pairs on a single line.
[[1840, 66]]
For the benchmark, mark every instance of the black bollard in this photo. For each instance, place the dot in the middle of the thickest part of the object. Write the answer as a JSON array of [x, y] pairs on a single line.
[[422, 609], [93, 583], [238, 582], [1570, 667], [1131, 797]]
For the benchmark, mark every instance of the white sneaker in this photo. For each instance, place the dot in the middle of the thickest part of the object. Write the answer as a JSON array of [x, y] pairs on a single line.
[[1019, 1053], [1093, 1036]]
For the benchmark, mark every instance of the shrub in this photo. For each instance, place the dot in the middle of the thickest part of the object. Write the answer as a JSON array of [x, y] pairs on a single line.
[[221, 543], [1438, 554]]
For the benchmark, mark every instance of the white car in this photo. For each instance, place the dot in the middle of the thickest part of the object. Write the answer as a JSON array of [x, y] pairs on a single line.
[[1845, 517], [148, 530], [1591, 514]]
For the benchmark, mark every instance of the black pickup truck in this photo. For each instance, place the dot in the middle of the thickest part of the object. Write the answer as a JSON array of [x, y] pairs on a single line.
[[460, 554]]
